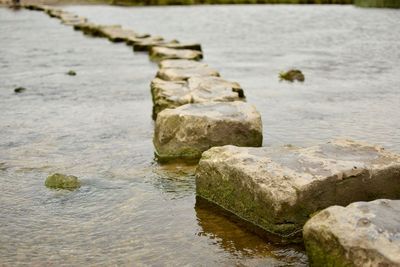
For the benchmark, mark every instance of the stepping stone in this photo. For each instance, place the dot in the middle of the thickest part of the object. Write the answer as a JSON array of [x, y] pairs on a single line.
[[89, 29], [117, 34], [37, 7], [361, 234], [148, 43], [182, 74], [278, 189], [181, 64], [160, 53], [71, 19], [192, 46], [189, 130], [167, 94]]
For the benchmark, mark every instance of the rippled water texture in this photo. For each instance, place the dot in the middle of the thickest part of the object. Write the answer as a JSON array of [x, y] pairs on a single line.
[[97, 125]]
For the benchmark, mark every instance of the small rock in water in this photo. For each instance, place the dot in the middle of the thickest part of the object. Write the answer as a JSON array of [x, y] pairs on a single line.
[[71, 73], [62, 181], [292, 75], [19, 90]]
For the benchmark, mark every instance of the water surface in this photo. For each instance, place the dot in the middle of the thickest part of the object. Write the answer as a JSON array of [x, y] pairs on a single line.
[[97, 125]]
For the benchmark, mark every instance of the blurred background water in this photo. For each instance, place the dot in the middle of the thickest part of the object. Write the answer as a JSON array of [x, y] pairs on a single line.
[[97, 125]]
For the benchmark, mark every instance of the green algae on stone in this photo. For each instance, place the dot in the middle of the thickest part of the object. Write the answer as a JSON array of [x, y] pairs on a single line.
[[62, 181], [71, 73], [292, 75]]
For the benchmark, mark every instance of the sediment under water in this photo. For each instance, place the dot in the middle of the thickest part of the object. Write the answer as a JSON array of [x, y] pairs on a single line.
[[97, 125]]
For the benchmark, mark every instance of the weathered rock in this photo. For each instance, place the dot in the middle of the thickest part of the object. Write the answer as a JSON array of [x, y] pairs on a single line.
[[89, 29], [147, 44], [36, 7], [71, 19], [181, 74], [181, 64], [361, 234], [189, 130], [192, 46], [62, 181], [71, 73], [278, 189], [292, 75], [160, 53], [19, 90], [168, 94], [117, 34]]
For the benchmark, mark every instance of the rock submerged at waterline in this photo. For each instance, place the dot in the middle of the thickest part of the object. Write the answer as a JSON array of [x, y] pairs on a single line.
[[19, 90], [189, 130], [361, 234], [292, 75], [71, 73], [278, 189], [158, 53], [172, 94], [62, 181]]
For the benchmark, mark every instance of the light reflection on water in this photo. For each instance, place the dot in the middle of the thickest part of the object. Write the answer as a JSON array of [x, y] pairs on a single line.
[[97, 125]]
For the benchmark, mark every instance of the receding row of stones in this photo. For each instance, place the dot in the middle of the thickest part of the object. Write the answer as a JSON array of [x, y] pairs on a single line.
[[277, 189]]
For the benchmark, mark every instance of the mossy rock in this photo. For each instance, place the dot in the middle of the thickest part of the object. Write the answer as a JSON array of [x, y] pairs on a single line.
[[62, 181], [292, 75]]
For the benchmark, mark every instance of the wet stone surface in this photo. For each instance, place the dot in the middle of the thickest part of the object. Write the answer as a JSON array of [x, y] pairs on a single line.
[[363, 233], [172, 94], [279, 188], [189, 130]]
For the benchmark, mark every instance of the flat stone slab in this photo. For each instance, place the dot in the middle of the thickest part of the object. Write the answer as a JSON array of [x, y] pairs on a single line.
[[278, 189], [361, 234], [182, 74], [189, 130], [72, 19], [145, 42], [158, 53], [181, 64], [172, 94], [116, 33]]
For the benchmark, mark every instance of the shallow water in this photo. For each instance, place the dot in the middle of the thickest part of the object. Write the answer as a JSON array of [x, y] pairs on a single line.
[[97, 125]]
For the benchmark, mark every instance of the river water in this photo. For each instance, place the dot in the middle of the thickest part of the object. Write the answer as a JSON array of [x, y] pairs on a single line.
[[97, 125]]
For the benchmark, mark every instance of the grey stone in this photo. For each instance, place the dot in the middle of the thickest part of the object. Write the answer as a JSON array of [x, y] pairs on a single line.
[[181, 74], [361, 234], [62, 181], [189, 130], [160, 53], [278, 188], [172, 94]]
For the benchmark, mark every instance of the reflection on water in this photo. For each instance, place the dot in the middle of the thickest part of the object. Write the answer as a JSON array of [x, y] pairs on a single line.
[[233, 236], [97, 125]]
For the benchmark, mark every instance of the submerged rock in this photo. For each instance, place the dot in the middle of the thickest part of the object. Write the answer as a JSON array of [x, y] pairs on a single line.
[[71, 73], [19, 90], [292, 75], [278, 189], [160, 53], [62, 181], [189, 130], [361, 234], [172, 94]]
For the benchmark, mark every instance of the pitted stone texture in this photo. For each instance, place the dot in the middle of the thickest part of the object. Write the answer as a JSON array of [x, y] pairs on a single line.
[[189, 130], [361, 234], [167, 94], [279, 188], [160, 53]]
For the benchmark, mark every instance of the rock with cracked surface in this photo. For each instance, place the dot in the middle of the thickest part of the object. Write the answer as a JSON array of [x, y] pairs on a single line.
[[172, 94], [158, 53], [278, 189], [189, 130], [361, 234]]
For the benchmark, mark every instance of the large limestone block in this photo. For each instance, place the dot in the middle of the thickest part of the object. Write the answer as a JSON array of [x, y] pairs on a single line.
[[278, 189], [361, 234], [160, 53], [189, 130], [172, 94]]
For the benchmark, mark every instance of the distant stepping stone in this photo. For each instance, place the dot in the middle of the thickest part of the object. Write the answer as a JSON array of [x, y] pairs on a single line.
[[278, 189], [117, 34], [181, 64], [182, 74], [160, 53], [71, 19], [361, 234], [167, 94], [189, 130], [144, 43]]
